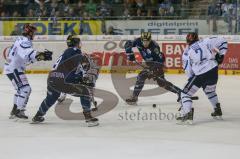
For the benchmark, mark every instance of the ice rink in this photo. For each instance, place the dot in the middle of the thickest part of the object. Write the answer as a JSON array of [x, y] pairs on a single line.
[[119, 138]]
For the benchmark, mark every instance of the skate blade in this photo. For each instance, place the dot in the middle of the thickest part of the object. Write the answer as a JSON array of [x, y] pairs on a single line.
[[180, 122], [16, 119], [94, 109], [133, 104], [36, 122], [218, 118], [187, 122], [12, 117], [92, 124]]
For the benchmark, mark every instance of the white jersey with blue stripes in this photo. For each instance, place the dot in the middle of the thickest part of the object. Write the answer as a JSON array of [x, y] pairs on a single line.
[[20, 55], [199, 58]]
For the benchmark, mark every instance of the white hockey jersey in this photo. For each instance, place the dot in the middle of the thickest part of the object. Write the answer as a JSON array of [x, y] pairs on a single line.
[[199, 58], [20, 55]]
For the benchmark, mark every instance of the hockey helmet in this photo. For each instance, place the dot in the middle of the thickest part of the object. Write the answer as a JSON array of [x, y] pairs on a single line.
[[73, 40], [146, 37], [29, 30], [191, 38]]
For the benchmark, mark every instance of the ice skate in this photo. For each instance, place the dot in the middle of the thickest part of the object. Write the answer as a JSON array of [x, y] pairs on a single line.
[[217, 114], [91, 121], [12, 116], [132, 100], [186, 119], [38, 118], [20, 114]]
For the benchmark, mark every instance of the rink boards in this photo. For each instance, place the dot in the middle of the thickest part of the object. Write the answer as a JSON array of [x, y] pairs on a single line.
[[109, 53]]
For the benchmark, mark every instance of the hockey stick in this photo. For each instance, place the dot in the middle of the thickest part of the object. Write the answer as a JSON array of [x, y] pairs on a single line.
[[144, 67], [91, 95], [91, 92]]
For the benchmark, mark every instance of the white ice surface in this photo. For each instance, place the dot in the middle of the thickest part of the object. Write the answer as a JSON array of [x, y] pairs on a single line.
[[123, 139]]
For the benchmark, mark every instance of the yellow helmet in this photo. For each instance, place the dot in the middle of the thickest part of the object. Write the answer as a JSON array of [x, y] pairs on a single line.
[[73, 40], [146, 36]]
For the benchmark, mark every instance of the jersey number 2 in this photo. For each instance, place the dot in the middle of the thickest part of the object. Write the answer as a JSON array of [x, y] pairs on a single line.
[[199, 50]]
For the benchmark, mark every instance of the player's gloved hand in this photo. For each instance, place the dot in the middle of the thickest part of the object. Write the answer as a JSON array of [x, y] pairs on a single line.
[[131, 57], [155, 70], [156, 67], [128, 45], [153, 64], [44, 56], [219, 58], [155, 77], [149, 74], [89, 79], [128, 48]]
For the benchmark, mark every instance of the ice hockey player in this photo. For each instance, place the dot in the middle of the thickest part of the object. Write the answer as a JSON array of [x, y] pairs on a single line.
[[154, 58], [19, 56], [74, 74], [200, 62]]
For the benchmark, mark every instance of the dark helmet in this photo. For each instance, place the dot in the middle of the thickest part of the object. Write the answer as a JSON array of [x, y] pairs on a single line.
[[146, 36], [191, 38], [73, 40], [29, 30]]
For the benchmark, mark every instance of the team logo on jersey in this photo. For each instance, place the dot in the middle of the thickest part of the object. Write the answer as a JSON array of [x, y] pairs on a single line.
[[156, 51], [148, 51]]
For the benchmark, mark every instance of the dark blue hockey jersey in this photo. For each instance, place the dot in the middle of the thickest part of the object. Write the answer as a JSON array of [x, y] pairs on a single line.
[[150, 54], [69, 63]]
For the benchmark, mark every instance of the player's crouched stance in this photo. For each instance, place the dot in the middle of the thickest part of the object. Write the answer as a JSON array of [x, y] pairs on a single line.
[[74, 73], [154, 58], [19, 56], [200, 62]]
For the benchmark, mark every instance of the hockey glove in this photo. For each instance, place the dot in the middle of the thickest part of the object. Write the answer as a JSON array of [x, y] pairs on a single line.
[[131, 57], [128, 45], [150, 74], [128, 48], [219, 58], [156, 67], [154, 76], [89, 80], [44, 56], [161, 57]]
